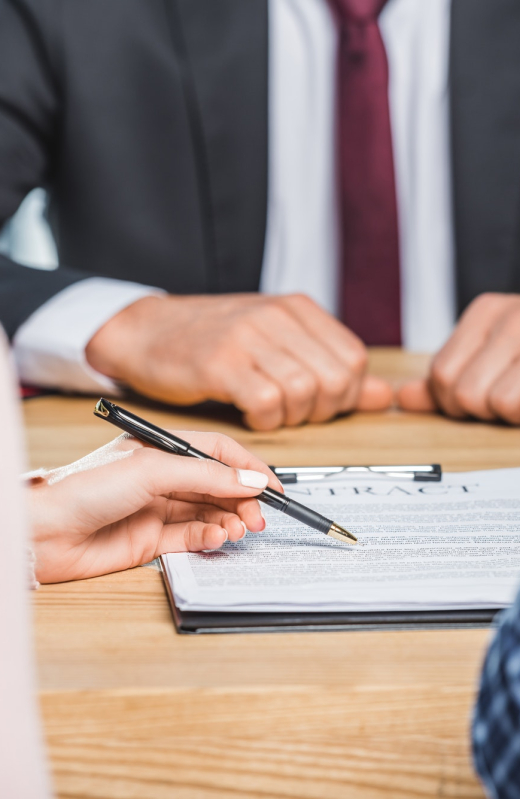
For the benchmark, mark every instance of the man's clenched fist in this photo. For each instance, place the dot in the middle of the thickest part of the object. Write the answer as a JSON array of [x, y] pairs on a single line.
[[477, 373], [281, 360]]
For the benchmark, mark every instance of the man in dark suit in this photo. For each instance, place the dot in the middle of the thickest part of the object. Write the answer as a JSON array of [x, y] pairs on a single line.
[[167, 154]]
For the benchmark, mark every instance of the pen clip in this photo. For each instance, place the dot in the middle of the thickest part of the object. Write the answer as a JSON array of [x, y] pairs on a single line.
[[145, 431]]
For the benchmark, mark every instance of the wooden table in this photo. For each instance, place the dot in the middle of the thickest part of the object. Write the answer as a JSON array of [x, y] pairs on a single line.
[[134, 711]]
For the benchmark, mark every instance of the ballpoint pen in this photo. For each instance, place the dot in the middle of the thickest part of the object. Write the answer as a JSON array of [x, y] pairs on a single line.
[[163, 440]]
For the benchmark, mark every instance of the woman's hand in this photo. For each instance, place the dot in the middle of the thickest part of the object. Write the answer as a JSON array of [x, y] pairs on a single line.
[[127, 503]]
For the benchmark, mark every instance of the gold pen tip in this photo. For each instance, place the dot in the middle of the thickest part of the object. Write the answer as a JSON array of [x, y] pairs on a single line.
[[101, 409], [340, 534]]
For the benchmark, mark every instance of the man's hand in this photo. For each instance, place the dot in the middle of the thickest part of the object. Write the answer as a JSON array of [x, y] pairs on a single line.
[[477, 373], [281, 360]]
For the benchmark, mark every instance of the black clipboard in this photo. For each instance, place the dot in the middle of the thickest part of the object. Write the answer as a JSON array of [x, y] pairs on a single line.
[[199, 623]]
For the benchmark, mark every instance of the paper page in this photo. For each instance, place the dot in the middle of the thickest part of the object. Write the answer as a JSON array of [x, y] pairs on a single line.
[[454, 544]]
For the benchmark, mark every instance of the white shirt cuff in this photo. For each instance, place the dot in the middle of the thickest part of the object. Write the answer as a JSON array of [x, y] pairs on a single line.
[[49, 348]]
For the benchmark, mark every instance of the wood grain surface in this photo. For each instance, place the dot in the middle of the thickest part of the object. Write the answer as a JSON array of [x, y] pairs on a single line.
[[134, 711]]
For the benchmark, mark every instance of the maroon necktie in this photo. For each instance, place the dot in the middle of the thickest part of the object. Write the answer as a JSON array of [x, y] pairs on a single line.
[[370, 243]]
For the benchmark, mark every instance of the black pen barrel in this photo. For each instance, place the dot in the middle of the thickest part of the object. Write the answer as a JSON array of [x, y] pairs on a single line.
[[307, 516], [274, 499], [162, 439], [292, 508]]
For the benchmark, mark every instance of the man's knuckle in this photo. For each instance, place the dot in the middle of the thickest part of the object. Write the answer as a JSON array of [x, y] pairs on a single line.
[[441, 375], [470, 401], [239, 335], [359, 357], [301, 386], [485, 302], [485, 299], [506, 406], [214, 359], [268, 316], [303, 301], [298, 298], [266, 398], [276, 314], [218, 364], [510, 334], [335, 384]]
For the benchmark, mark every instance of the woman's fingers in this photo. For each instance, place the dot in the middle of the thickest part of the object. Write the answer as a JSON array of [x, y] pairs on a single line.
[[218, 446], [161, 473], [234, 521], [184, 508], [249, 510], [221, 447], [230, 452], [117, 489], [210, 531], [191, 536]]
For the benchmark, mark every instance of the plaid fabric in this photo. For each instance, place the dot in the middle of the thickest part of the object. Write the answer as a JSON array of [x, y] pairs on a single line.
[[496, 722]]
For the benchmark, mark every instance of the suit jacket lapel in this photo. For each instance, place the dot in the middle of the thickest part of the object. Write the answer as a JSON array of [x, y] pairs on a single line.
[[227, 51], [485, 129]]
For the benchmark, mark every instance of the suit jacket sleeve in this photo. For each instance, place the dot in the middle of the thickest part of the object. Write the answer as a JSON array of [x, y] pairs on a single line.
[[30, 101]]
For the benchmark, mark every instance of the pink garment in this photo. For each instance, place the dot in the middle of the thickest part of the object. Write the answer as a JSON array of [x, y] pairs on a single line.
[[23, 773]]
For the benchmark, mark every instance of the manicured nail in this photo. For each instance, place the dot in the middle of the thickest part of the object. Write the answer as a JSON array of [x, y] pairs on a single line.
[[252, 479], [262, 513], [245, 531]]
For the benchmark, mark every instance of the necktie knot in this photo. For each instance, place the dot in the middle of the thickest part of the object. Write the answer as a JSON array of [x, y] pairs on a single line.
[[358, 12], [355, 17]]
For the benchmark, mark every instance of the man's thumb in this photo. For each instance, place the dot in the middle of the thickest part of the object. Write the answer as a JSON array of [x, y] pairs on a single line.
[[375, 394], [416, 396]]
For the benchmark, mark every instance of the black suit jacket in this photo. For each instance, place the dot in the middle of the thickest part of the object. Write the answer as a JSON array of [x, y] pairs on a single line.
[[146, 120]]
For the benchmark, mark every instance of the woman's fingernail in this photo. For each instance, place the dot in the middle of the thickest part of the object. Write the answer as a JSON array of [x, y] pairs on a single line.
[[252, 479], [245, 531]]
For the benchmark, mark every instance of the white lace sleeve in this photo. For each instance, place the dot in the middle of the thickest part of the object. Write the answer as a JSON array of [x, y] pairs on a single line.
[[31, 570], [28, 478]]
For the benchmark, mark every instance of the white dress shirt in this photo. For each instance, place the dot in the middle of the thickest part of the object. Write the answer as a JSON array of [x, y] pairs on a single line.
[[302, 238]]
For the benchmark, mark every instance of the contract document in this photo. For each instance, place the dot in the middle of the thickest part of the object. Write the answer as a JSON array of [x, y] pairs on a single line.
[[422, 546]]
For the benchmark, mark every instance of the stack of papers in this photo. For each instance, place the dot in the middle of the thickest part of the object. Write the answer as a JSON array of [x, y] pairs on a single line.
[[422, 546]]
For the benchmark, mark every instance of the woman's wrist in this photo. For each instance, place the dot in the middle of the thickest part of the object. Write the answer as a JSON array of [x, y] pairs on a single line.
[[44, 523]]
